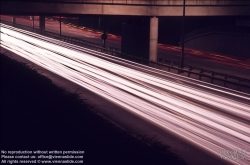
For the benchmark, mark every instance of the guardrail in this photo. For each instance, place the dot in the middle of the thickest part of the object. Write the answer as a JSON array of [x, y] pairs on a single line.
[[202, 71], [163, 64]]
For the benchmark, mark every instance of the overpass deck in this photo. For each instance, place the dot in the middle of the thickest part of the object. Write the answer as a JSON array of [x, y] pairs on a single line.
[[128, 7]]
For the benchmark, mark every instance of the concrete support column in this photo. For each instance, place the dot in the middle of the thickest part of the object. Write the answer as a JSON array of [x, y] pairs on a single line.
[[42, 24], [14, 19], [153, 39]]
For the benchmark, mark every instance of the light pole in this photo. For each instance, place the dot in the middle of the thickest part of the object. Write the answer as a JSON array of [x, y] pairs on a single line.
[[183, 34]]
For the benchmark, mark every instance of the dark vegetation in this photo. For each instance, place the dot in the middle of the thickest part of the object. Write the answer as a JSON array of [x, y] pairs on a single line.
[[37, 115]]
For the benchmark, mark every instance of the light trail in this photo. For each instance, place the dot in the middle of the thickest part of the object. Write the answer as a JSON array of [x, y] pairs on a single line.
[[211, 117]]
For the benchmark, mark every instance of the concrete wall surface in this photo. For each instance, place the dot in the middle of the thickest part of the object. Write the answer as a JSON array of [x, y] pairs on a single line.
[[221, 41]]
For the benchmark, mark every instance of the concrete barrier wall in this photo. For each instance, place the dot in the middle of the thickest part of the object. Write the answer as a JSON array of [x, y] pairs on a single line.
[[227, 43]]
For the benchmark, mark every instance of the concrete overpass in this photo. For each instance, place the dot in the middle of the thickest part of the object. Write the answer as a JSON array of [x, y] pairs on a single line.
[[150, 8], [128, 7]]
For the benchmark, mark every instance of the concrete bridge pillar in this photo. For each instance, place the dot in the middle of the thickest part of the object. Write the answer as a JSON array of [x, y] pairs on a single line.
[[14, 19], [153, 39], [42, 24]]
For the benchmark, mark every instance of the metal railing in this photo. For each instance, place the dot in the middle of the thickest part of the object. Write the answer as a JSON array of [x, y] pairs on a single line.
[[204, 71], [163, 64]]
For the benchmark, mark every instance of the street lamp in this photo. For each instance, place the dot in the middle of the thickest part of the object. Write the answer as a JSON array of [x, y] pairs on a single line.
[[183, 34]]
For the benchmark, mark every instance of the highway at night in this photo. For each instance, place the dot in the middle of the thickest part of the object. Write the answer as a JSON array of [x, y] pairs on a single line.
[[214, 118]]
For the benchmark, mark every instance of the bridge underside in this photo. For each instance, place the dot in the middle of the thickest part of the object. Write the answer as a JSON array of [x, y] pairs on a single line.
[[56, 8], [132, 33]]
